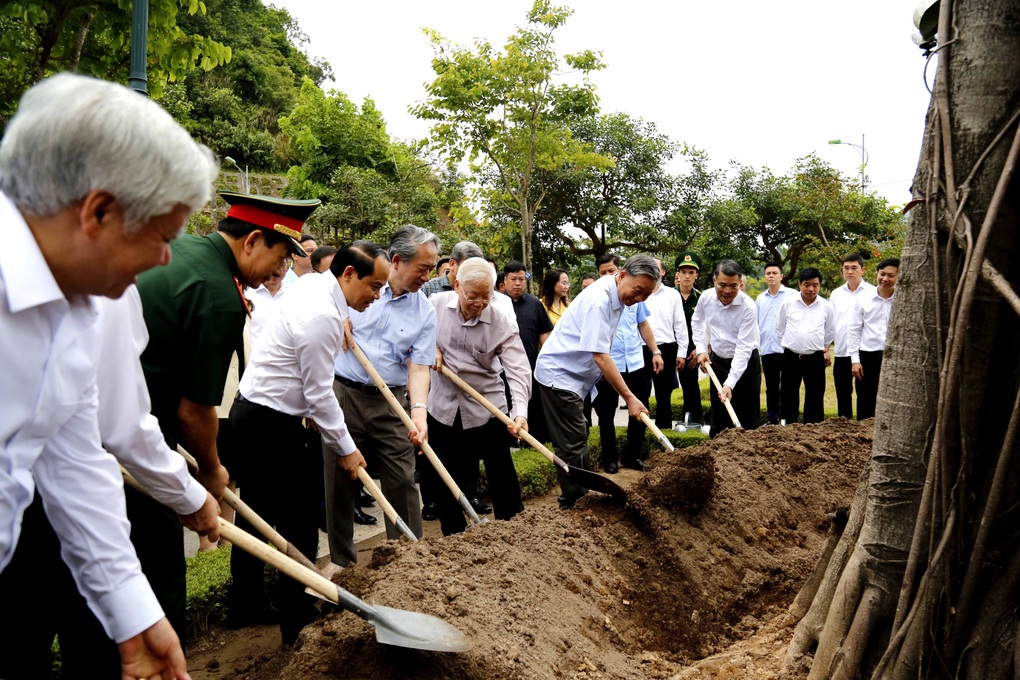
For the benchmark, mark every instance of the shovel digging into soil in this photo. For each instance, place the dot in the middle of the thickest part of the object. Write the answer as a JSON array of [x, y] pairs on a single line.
[[409, 424], [726, 403], [392, 626], [377, 494], [586, 478]]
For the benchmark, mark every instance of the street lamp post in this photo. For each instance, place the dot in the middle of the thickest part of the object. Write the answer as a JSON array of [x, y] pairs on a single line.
[[244, 174], [864, 158]]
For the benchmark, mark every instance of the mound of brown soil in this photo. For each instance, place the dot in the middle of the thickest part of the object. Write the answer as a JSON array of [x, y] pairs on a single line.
[[603, 591]]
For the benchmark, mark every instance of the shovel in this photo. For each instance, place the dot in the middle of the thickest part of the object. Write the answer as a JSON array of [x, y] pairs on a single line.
[[726, 402], [586, 478], [392, 626], [409, 424], [654, 429], [263, 527], [377, 494]]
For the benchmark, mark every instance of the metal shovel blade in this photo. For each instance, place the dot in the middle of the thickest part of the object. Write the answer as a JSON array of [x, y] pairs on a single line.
[[596, 482], [416, 631]]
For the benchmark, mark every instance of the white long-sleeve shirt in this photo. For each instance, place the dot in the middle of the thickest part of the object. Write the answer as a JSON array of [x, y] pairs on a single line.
[[734, 329], [667, 319], [843, 302], [291, 366], [803, 328], [127, 428], [49, 436], [869, 325]]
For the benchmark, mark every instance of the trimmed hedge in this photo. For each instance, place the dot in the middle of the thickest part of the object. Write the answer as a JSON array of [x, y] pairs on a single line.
[[677, 439], [208, 575]]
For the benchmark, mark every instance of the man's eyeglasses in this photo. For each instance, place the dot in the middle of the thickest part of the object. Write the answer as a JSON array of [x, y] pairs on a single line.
[[727, 286]]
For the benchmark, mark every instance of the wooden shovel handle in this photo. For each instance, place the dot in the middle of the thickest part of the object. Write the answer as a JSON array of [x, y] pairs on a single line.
[[654, 429], [504, 418], [726, 403]]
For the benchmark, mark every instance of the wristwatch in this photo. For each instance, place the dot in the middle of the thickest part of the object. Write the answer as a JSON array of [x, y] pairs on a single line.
[[657, 353]]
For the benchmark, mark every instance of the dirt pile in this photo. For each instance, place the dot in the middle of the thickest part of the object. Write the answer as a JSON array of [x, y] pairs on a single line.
[[693, 563]]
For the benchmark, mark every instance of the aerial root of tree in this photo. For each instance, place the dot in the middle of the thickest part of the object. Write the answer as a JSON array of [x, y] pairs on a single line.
[[812, 604]]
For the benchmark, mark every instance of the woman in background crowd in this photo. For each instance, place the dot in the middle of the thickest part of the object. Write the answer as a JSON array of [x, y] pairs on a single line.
[[556, 293]]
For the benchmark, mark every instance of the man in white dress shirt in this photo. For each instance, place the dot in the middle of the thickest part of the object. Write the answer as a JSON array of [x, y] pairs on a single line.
[[729, 316], [771, 349], [867, 336], [577, 354], [95, 182], [805, 326], [669, 328], [844, 300], [290, 378]]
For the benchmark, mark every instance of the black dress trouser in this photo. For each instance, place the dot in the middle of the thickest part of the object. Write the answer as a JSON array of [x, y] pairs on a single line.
[[746, 400], [867, 388], [809, 368], [664, 383]]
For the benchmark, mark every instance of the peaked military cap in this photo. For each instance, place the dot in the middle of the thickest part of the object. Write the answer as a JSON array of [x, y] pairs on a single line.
[[285, 216], [688, 258]]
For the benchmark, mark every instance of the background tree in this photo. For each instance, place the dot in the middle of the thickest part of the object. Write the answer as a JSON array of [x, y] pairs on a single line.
[[93, 37], [504, 110], [923, 582]]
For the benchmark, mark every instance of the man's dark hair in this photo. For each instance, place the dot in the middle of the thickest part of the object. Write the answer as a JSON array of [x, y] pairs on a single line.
[[773, 264], [231, 226], [442, 261], [606, 259], [889, 262], [854, 257], [514, 266], [319, 254], [589, 276], [305, 238], [499, 279], [361, 255], [808, 273], [727, 267]]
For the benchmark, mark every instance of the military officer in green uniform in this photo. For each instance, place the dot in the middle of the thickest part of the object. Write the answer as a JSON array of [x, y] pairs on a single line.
[[195, 312], [688, 267]]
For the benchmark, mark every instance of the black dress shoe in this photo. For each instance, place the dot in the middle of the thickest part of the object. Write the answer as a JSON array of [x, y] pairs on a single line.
[[480, 507], [612, 467], [636, 464], [567, 501], [362, 517], [430, 512], [365, 499]]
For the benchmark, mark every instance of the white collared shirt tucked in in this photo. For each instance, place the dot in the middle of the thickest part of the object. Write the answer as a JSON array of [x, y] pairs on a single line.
[[869, 326], [476, 350], [390, 332], [768, 308], [49, 436], [843, 303], [667, 319], [566, 361], [805, 328], [734, 330], [291, 368], [128, 430]]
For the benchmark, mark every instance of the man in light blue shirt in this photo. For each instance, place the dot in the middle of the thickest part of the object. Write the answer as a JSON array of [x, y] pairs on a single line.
[[577, 354], [400, 327], [771, 349]]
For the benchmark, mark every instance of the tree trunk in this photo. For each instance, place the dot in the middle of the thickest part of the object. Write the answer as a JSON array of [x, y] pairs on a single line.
[[930, 589], [527, 229]]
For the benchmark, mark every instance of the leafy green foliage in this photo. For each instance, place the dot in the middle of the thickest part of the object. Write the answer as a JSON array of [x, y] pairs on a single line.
[[507, 114], [43, 37], [650, 443], [208, 575]]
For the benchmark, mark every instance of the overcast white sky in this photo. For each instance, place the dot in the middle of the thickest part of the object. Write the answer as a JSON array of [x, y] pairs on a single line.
[[760, 82]]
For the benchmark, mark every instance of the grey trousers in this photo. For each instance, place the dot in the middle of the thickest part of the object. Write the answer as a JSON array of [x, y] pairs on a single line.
[[382, 439], [568, 431]]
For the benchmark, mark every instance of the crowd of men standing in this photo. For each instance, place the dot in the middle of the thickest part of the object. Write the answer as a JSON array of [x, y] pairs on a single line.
[[118, 334]]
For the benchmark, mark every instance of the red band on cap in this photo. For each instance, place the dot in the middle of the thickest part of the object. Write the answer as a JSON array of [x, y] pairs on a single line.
[[263, 218]]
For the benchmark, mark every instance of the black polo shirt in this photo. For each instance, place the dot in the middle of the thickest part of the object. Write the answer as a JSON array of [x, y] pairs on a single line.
[[533, 321]]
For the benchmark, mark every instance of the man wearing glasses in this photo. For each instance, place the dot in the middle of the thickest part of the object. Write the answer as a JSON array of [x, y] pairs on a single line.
[[730, 317]]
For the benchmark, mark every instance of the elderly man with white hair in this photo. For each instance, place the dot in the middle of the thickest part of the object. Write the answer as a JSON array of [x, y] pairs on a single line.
[[95, 182], [475, 341]]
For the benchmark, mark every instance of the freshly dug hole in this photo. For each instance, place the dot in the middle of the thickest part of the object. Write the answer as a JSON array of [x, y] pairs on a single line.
[[603, 591]]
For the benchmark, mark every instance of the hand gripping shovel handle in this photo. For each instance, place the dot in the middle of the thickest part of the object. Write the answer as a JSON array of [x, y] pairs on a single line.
[[263, 527], [409, 424], [653, 428], [505, 419], [726, 403], [377, 494]]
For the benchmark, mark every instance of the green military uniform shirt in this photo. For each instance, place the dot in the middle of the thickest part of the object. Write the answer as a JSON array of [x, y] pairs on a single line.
[[689, 304], [195, 315]]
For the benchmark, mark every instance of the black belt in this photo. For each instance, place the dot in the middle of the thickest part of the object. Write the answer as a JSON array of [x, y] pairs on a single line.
[[362, 387]]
